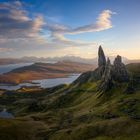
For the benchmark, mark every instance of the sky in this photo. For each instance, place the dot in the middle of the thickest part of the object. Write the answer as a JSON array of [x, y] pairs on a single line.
[[50, 28]]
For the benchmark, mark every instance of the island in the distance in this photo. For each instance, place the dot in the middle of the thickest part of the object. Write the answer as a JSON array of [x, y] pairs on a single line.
[[39, 71]]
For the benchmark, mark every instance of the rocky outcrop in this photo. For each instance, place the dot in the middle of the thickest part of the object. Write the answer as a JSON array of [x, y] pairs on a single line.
[[108, 75], [101, 64], [107, 79], [113, 74], [120, 73], [95, 75], [101, 57]]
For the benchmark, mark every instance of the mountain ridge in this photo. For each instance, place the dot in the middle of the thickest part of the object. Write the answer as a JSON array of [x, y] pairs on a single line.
[[33, 59], [38, 71]]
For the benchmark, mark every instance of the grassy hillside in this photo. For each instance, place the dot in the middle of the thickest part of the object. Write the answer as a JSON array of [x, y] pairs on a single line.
[[134, 69], [67, 113]]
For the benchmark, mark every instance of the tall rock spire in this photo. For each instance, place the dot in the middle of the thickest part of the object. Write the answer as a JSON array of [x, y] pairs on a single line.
[[120, 71], [106, 75], [101, 57], [106, 80]]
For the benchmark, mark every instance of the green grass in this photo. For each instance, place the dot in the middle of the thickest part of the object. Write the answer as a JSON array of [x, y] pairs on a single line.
[[68, 113], [20, 129]]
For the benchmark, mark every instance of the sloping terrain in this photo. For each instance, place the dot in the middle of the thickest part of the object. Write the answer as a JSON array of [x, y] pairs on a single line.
[[68, 113], [6, 61], [44, 71], [103, 104]]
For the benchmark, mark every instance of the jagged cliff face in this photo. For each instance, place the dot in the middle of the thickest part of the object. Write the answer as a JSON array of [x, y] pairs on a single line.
[[107, 79], [113, 73], [107, 74], [120, 72]]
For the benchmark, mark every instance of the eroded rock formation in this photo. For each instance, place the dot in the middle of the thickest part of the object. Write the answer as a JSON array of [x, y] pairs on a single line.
[[106, 74], [113, 74], [101, 57], [120, 73], [101, 64], [107, 79]]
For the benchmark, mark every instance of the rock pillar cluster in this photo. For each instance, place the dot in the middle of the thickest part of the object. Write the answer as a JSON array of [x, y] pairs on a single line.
[[110, 73]]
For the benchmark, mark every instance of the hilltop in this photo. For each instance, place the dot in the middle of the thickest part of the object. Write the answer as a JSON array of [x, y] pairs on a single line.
[[102, 104], [38, 71]]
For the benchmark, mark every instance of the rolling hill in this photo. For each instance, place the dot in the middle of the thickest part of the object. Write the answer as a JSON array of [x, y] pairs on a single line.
[[38, 71], [97, 106]]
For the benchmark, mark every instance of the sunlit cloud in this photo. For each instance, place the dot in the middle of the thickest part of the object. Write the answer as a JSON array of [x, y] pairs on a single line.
[[21, 29], [103, 23], [58, 30], [15, 22], [59, 38]]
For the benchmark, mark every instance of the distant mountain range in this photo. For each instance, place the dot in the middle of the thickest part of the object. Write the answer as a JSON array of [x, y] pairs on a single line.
[[26, 59], [5, 61]]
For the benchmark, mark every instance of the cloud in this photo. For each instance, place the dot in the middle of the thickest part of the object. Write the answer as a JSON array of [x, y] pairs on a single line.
[[5, 49], [15, 22], [103, 23], [59, 38], [58, 31], [24, 31]]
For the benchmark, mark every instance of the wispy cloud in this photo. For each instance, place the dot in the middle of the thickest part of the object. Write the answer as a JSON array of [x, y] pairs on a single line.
[[15, 22], [59, 38], [58, 31], [103, 23], [19, 29]]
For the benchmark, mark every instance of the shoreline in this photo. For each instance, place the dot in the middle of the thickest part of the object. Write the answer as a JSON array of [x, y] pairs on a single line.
[[32, 81], [40, 83]]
